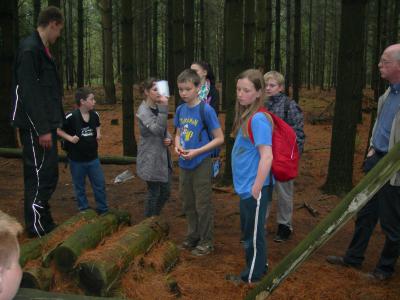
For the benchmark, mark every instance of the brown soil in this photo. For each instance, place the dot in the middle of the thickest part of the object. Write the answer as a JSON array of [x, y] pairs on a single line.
[[203, 277]]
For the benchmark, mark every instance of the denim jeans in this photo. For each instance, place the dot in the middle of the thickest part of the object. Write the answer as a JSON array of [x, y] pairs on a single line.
[[92, 169]]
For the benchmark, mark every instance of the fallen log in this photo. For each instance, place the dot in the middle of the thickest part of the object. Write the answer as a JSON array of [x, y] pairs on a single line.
[[104, 159], [29, 294], [309, 208], [99, 274], [163, 258], [37, 278], [173, 286], [34, 248], [87, 237], [345, 210]]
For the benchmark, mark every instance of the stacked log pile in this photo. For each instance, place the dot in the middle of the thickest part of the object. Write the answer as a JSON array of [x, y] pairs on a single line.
[[95, 252]]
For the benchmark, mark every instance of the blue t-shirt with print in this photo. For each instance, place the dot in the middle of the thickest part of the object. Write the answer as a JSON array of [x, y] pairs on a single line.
[[245, 155], [188, 120]]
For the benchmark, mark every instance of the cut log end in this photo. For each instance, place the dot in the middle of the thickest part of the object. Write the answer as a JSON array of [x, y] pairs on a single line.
[[91, 279], [66, 258]]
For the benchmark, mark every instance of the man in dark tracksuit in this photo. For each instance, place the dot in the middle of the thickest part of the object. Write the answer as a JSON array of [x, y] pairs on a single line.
[[38, 112]]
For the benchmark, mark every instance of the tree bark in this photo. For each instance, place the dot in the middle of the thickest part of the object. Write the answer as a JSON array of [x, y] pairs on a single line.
[[189, 32], [249, 30], [297, 51], [33, 249], [261, 25], [128, 114], [37, 278], [277, 54], [113, 160], [98, 275], [8, 13], [348, 96], [288, 45], [309, 46], [29, 294], [87, 237], [339, 216], [233, 65], [80, 64], [178, 43], [268, 36], [36, 10], [106, 21]]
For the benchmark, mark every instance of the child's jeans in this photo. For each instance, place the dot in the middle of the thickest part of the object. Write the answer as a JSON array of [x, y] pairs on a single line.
[[92, 169], [157, 194]]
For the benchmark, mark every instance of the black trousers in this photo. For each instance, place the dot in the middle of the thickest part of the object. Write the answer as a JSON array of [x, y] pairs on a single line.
[[385, 207], [40, 181]]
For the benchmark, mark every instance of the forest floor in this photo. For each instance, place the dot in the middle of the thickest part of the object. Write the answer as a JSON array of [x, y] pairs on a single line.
[[203, 277]]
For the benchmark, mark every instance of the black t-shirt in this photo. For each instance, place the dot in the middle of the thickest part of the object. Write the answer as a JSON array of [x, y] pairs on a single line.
[[86, 148]]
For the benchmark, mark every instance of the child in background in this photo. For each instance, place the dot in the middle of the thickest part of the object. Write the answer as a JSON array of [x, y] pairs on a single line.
[[251, 165], [194, 148], [10, 270], [81, 131], [289, 111], [153, 159], [208, 93]]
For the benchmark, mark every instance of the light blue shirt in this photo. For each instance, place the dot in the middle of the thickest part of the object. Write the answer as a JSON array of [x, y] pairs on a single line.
[[380, 140], [190, 125], [245, 155]]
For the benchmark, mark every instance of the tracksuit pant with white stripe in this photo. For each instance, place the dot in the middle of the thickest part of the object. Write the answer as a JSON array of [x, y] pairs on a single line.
[[40, 181], [256, 258]]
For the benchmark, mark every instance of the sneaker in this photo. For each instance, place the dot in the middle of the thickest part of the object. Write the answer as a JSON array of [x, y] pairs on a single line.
[[201, 250], [188, 245], [283, 233], [339, 261], [378, 276]]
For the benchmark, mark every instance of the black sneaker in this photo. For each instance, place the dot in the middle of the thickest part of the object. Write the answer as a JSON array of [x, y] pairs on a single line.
[[188, 245], [283, 233]]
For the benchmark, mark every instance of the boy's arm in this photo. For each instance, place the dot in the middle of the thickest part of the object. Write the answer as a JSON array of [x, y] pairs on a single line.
[[72, 139], [98, 133], [178, 146], [218, 140]]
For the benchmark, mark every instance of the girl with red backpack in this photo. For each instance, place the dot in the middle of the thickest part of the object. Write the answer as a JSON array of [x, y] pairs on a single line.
[[251, 166]]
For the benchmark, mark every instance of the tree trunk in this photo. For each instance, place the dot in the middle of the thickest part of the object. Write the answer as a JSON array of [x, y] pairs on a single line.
[[33, 249], [8, 15], [233, 65], [268, 36], [97, 275], [261, 20], [309, 46], [178, 43], [342, 213], [56, 48], [348, 96], [202, 31], [36, 10], [249, 30], [128, 114], [87, 237], [29, 294], [71, 77], [288, 45], [297, 51], [80, 65], [170, 47], [106, 21], [395, 22], [189, 32], [104, 159], [155, 37], [37, 278], [277, 59]]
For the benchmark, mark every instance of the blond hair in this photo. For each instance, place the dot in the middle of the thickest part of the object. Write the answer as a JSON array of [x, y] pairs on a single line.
[[9, 230], [243, 113], [275, 76]]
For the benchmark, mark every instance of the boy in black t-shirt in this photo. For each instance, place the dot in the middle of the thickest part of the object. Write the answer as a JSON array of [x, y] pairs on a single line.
[[81, 130]]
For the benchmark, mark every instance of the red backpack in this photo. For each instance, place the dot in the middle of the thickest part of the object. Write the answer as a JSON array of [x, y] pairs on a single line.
[[285, 164]]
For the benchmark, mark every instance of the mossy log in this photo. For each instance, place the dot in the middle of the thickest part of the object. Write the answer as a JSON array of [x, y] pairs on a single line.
[[100, 274], [164, 258], [344, 211], [29, 294], [87, 237], [34, 248], [112, 160], [173, 286], [37, 278]]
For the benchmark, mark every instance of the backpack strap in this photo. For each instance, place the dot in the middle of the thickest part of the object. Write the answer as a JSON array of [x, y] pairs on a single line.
[[267, 115], [77, 122], [203, 121]]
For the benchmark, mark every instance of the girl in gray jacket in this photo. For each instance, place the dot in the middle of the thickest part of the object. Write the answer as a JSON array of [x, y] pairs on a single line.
[[153, 159]]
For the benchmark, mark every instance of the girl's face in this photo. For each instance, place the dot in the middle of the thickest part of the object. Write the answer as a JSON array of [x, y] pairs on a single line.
[[152, 94], [272, 87], [200, 71], [246, 92]]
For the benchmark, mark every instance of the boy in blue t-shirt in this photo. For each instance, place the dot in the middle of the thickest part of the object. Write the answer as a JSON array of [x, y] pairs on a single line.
[[194, 147]]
